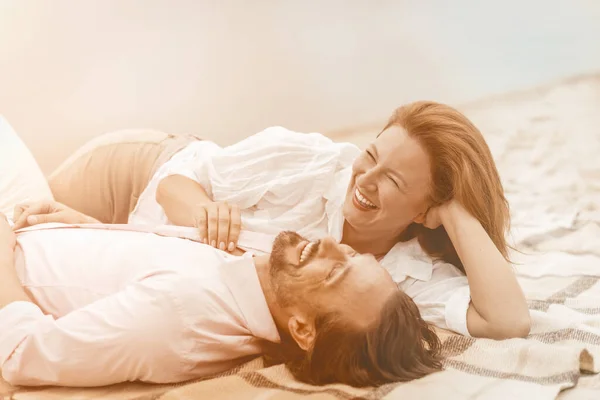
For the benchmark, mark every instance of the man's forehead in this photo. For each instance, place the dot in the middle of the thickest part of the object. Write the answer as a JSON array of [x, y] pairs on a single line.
[[360, 312]]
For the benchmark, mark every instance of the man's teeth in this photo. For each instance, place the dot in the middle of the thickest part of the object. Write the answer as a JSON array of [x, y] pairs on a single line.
[[363, 201], [306, 251]]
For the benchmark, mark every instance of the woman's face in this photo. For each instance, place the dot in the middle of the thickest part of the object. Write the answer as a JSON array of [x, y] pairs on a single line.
[[390, 185]]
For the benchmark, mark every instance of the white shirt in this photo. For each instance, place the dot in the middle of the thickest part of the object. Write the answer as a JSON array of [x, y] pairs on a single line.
[[284, 180], [113, 306]]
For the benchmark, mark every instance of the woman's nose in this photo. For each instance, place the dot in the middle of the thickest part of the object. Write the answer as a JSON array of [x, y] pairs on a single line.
[[368, 180]]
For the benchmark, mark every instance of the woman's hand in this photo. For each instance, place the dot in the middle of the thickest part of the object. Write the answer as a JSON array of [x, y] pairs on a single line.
[[219, 224], [42, 212], [435, 215], [187, 203]]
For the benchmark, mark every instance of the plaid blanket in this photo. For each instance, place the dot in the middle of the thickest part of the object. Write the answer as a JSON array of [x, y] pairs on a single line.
[[562, 352], [557, 223]]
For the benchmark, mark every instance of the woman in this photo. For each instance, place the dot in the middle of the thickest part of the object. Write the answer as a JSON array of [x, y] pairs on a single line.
[[425, 195]]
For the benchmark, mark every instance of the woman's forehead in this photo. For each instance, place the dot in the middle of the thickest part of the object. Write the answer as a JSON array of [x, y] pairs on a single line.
[[393, 139], [398, 151]]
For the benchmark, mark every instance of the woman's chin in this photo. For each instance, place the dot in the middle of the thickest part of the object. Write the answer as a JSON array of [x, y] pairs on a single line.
[[357, 218]]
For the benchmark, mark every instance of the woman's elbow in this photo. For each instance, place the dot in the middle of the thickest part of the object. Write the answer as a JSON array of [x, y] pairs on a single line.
[[518, 326], [161, 190], [524, 325]]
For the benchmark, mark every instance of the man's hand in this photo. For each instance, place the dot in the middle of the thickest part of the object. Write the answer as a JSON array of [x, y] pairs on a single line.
[[10, 285], [8, 240], [48, 211]]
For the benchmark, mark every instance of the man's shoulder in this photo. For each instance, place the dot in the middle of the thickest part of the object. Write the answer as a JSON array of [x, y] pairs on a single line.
[[201, 285], [210, 302]]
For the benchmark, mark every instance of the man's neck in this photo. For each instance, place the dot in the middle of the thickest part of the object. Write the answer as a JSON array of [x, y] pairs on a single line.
[[261, 263], [378, 244]]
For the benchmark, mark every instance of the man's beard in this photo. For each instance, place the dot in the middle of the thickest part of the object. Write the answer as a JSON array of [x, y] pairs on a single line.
[[282, 270], [278, 260]]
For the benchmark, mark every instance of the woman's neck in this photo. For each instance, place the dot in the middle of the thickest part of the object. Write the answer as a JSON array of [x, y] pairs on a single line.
[[376, 244]]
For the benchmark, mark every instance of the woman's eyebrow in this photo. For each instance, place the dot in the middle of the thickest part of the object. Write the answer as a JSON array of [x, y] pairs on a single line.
[[394, 173]]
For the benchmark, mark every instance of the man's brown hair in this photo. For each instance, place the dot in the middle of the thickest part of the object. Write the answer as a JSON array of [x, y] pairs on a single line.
[[399, 347]]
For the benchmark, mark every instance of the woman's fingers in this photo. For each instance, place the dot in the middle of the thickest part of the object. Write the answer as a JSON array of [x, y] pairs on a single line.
[[201, 220], [235, 225], [223, 230], [219, 225], [212, 211], [432, 218]]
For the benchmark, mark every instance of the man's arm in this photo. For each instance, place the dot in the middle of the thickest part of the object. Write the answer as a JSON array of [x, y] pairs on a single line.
[[135, 334], [10, 285]]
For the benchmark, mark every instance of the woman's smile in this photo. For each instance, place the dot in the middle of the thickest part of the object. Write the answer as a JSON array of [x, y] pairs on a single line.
[[361, 202]]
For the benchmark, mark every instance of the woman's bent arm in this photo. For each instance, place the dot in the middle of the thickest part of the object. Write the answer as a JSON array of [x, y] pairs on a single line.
[[498, 307], [180, 197], [186, 203]]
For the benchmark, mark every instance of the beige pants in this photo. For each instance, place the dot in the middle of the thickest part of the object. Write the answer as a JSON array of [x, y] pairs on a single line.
[[105, 177]]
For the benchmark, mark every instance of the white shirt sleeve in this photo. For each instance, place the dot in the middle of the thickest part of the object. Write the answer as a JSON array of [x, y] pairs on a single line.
[[135, 334], [192, 162], [277, 177], [444, 299], [279, 167]]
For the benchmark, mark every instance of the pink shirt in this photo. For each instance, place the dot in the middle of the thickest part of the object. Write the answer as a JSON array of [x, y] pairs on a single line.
[[113, 306]]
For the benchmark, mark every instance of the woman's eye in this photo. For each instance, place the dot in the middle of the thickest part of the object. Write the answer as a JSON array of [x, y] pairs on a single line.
[[395, 183], [370, 155]]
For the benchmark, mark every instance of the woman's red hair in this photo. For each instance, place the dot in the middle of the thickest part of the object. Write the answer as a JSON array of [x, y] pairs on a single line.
[[462, 168]]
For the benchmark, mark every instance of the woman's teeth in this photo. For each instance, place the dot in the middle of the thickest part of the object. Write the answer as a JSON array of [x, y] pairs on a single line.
[[363, 201], [306, 252]]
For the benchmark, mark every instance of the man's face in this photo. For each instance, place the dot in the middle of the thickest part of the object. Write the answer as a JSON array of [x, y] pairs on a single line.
[[312, 278]]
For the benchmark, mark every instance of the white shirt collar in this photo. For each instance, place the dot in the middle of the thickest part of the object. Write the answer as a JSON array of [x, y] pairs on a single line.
[[407, 259]]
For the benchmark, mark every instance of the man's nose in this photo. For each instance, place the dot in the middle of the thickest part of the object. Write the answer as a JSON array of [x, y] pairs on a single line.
[[330, 246], [347, 250]]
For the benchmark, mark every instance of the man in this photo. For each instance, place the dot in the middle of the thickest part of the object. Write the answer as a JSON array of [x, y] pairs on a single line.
[[92, 304]]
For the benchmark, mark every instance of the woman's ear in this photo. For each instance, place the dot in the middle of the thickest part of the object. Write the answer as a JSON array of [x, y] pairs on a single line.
[[302, 331]]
